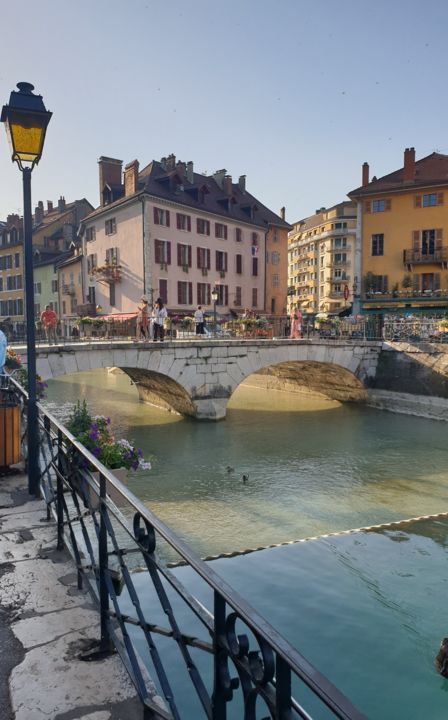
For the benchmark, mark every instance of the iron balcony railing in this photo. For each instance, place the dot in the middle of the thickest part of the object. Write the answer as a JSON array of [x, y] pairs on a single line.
[[417, 257], [234, 660]]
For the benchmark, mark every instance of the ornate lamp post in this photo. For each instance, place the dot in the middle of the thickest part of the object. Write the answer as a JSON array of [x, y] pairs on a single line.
[[215, 299], [26, 121]]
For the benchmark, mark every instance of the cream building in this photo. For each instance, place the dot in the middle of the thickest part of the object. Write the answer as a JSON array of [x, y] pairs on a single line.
[[321, 251]]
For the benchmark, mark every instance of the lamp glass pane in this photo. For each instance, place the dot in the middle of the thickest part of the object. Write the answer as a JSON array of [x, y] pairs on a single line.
[[26, 140]]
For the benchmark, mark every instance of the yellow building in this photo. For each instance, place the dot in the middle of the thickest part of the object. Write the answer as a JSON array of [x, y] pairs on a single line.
[[403, 237], [321, 252]]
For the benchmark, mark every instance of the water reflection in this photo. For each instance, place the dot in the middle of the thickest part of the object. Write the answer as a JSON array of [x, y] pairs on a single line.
[[314, 465]]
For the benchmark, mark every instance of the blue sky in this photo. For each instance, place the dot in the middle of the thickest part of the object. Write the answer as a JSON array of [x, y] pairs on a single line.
[[295, 94]]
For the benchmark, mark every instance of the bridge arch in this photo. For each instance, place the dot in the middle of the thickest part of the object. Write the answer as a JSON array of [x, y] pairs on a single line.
[[198, 378]]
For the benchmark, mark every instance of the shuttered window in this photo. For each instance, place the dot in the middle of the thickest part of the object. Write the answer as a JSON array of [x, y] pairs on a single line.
[[239, 264], [162, 252], [163, 290], [185, 293], [183, 255], [161, 216]]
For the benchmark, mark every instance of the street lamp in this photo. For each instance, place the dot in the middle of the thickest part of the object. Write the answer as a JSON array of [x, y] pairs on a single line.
[[215, 299], [26, 121]]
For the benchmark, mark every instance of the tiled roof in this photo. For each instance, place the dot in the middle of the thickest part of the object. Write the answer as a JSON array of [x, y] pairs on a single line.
[[430, 170], [313, 221], [167, 185], [47, 257]]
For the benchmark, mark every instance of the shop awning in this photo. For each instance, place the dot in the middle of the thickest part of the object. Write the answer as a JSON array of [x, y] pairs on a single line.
[[119, 316]]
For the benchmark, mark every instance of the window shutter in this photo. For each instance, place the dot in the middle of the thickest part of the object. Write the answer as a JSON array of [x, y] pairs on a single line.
[[163, 290], [157, 253], [198, 294], [387, 205], [189, 255], [208, 259], [167, 218], [225, 262], [190, 293], [367, 205], [418, 201], [416, 240], [188, 223], [217, 260], [225, 232], [226, 294], [238, 264], [179, 254], [440, 198], [156, 216], [439, 238], [197, 225], [385, 283], [179, 292], [208, 227], [168, 253], [436, 281], [178, 221], [209, 294], [416, 282], [198, 257]]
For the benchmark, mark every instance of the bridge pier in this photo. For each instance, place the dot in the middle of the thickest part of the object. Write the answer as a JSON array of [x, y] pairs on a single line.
[[211, 409]]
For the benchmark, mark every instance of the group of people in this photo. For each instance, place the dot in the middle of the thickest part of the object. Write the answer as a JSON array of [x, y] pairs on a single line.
[[150, 322]]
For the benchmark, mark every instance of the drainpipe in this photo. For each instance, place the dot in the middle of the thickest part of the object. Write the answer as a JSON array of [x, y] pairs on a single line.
[[357, 261], [147, 283]]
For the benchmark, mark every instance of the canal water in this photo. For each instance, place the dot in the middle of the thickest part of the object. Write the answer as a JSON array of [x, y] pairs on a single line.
[[368, 609], [313, 465]]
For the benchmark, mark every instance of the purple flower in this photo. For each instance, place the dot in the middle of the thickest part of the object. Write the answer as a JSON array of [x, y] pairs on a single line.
[[96, 451], [93, 434]]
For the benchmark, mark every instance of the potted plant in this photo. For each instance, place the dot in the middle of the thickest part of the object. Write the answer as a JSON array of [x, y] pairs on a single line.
[[406, 283]]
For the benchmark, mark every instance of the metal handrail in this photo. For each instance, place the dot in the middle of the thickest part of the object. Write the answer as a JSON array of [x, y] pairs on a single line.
[[264, 672]]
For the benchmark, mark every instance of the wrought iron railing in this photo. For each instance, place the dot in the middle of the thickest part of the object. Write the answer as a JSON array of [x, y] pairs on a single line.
[[235, 663]]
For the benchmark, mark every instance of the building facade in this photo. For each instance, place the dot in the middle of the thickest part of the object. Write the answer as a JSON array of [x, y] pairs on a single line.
[[321, 250], [277, 267], [403, 235], [168, 232]]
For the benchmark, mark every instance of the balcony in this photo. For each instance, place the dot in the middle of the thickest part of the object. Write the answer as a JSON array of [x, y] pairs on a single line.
[[338, 263], [69, 289], [417, 257], [109, 273], [426, 297]]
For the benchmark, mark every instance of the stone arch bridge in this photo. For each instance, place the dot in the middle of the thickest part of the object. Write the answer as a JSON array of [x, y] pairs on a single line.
[[198, 377]]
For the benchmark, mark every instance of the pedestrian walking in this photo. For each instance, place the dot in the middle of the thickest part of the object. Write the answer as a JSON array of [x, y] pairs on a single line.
[[49, 320], [160, 315], [143, 320], [199, 320], [296, 324]]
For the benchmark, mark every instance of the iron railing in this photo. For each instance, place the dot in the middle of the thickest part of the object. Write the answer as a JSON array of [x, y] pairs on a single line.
[[234, 661]]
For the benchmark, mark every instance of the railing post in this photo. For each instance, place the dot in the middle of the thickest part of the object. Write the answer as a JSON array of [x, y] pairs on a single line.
[[219, 703], [106, 644], [59, 496]]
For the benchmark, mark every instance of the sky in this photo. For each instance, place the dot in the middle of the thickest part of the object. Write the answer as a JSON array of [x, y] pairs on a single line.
[[295, 94]]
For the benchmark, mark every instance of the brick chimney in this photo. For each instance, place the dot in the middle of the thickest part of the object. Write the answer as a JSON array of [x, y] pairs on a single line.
[[61, 204], [190, 173], [38, 214], [131, 178], [49, 206], [13, 220], [170, 163], [110, 173], [242, 183], [227, 185], [365, 174], [282, 212], [409, 164], [219, 176], [181, 169]]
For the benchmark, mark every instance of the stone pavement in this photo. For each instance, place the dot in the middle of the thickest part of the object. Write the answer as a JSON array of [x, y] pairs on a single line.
[[46, 623]]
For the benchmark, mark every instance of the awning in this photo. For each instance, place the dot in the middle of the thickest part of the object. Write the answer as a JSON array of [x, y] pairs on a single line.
[[119, 316]]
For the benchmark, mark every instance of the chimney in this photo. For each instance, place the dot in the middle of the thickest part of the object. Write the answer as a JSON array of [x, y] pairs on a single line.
[[190, 174], [131, 178], [227, 185], [242, 183], [61, 204], [365, 174], [38, 214], [282, 212], [110, 173], [13, 220], [41, 205], [170, 163], [181, 169], [409, 164], [219, 176], [49, 206]]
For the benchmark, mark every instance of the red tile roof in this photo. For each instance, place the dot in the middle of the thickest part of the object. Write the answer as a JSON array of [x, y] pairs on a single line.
[[430, 170]]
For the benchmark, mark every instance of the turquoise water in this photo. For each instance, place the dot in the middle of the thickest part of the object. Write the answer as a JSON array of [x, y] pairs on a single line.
[[367, 609], [314, 465]]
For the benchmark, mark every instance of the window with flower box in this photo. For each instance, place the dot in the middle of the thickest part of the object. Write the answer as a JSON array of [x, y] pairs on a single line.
[[162, 252], [184, 255], [221, 261], [203, 258]]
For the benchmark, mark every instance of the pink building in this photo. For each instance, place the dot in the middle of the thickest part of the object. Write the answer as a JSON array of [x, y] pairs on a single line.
[[170, 232]]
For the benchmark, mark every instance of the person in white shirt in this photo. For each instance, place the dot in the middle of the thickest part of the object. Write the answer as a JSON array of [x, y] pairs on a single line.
[[160, 315], [199, 320]]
